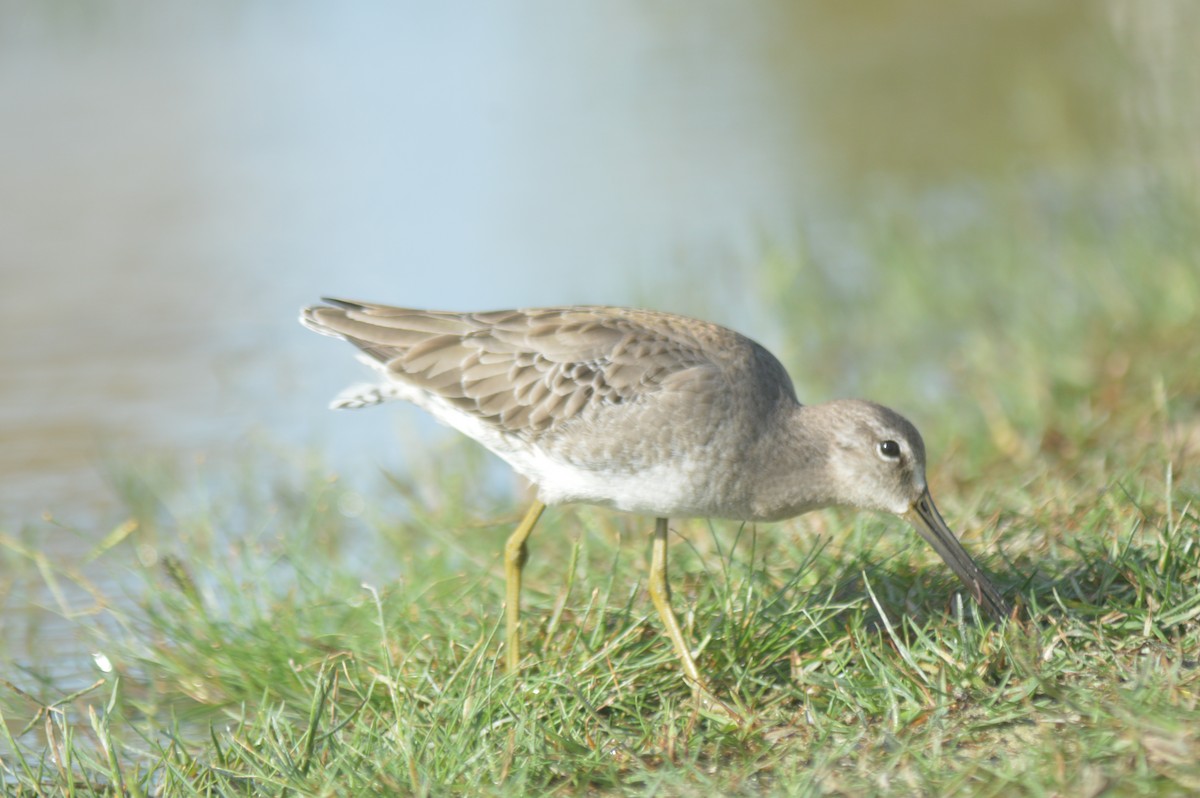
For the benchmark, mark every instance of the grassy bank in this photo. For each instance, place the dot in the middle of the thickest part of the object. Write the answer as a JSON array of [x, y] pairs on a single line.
[[294, 633]]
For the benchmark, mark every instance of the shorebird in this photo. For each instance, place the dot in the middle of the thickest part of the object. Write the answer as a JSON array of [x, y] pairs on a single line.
[[647, 412]]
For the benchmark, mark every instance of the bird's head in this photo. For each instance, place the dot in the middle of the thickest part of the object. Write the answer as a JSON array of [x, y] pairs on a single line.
[[876, 461]]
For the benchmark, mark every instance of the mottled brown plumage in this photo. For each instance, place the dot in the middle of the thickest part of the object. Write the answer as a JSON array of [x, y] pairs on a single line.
[[528, 372]]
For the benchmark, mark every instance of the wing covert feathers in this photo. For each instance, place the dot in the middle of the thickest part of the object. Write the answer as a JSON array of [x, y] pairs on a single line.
[[529, 371]]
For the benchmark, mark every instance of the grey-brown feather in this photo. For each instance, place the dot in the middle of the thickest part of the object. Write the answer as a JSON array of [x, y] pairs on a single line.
[[531, 372], [611, 391]]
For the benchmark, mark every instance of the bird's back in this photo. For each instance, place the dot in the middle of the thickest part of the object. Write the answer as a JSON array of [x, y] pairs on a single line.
[[590, 403]]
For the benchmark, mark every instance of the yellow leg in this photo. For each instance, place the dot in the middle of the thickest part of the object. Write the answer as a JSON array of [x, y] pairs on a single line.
[[660, 594], [515, 553]]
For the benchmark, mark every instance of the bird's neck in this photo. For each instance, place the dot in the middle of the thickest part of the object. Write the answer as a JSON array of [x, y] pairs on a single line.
[[790, 472]]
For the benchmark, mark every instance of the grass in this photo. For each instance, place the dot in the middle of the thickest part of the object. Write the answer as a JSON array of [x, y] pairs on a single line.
[[292, 634]]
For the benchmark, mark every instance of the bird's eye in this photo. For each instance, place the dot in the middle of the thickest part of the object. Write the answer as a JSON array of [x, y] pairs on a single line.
[[889, 450]]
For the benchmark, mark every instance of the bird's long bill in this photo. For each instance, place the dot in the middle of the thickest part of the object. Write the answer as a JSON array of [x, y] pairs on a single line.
[[925, 517]]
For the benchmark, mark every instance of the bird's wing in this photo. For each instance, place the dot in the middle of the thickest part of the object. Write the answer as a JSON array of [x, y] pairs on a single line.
[[527, 371]]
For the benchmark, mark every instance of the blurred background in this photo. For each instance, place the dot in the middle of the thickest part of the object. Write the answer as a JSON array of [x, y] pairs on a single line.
[[177, 179]]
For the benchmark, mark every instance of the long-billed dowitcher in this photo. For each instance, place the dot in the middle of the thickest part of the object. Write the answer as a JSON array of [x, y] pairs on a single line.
[[647, 412]]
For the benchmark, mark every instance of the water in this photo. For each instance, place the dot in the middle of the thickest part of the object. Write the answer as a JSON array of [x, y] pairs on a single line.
[[175, 188], [176, 180]]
